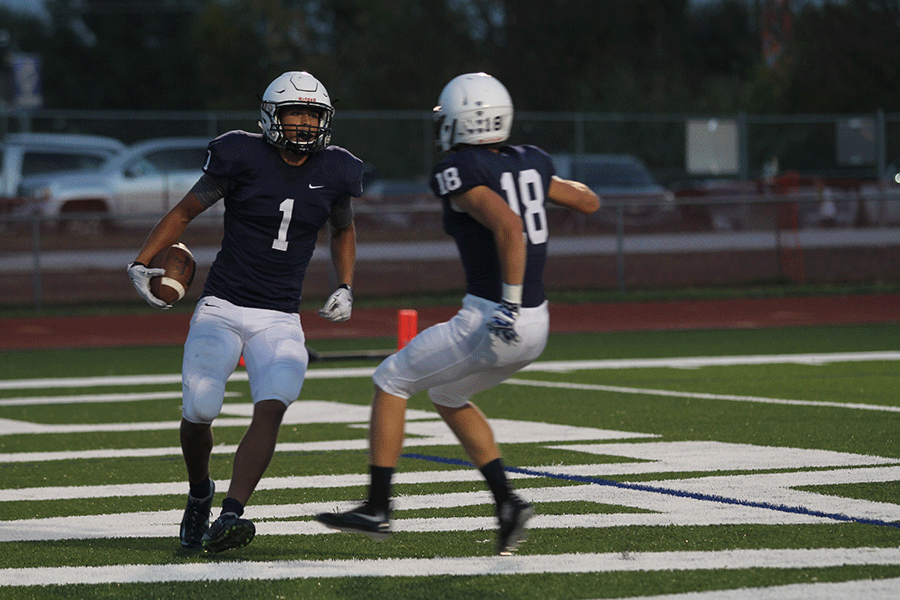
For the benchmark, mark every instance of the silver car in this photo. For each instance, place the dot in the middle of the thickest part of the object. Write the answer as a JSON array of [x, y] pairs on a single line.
[[27, 154], [134, 187]]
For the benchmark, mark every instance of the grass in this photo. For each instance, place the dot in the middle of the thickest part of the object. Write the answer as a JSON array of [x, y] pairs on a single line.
[[804, 456]]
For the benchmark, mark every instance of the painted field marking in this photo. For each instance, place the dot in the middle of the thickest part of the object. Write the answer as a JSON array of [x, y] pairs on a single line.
[[698, 395], [645, 458], [673, 509], [546, 366], [96, 398], [423, 428], [612, 562], [693, 501], [892, 520], [657, 510], [866, 588], [693, 362]]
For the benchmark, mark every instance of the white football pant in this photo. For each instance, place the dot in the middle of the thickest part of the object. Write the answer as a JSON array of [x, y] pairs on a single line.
[[457, 359], [272, 343]]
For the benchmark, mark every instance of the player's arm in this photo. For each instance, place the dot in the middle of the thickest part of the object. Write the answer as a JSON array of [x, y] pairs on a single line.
[[489, 209], [171, 226], [168, 231], [573, 194], [343, 256], [343, 252]]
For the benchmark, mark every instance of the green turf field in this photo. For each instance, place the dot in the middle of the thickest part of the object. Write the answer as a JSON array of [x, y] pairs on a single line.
[[660, 463]]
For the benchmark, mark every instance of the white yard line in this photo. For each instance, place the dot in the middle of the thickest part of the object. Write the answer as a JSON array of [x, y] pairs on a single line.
[[693, 362], [660, 510], [234, 570], [703, 501], [878, 589], [541, 366], [699, 395], [96, 398], [422, 429]]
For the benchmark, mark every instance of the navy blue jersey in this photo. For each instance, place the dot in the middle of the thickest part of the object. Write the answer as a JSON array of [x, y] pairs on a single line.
[[521, 176], [273, 213]]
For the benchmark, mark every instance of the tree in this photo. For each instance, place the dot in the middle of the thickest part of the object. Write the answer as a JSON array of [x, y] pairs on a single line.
[[720, 53], [240, 47], [845, 58], [588, 55], [390, 54], [122, 55], [556, 55]]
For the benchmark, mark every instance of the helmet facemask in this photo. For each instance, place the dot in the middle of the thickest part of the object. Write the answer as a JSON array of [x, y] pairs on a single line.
[[299, 139], [296, 89]]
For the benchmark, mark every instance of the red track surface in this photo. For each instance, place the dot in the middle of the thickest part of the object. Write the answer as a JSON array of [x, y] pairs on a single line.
[[160, 328]]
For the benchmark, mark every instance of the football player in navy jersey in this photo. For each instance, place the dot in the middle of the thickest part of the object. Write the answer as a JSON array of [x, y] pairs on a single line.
[[494, 208], [279, 188]]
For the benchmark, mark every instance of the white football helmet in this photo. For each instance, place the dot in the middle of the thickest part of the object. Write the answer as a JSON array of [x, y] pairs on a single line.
[[474, 108], [296, 88]]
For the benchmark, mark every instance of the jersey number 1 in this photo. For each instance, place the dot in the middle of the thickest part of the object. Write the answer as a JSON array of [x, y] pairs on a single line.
[[287, 209]]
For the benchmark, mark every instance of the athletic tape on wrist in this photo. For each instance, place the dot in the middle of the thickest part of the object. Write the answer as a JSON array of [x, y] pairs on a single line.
[[512, 294]]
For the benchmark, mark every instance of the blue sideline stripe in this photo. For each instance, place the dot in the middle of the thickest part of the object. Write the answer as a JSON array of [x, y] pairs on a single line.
[[799, 510]]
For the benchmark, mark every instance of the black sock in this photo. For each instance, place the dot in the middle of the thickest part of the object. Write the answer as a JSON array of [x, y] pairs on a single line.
[[496, 479], [380, 487], [201, 490], [230, 505]]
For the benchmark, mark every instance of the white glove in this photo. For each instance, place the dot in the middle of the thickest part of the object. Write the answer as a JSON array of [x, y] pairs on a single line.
[[338, 306], [140, 275], [503, 320]]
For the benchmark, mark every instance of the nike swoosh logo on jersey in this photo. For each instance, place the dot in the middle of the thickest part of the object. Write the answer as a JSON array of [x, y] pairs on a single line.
[[315, 187]]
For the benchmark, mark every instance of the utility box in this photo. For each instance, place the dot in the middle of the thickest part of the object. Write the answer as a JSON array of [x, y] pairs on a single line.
[[855, 142], [712, 147]]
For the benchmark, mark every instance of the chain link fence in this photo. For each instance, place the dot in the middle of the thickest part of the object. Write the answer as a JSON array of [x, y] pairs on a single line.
[[751, 199]]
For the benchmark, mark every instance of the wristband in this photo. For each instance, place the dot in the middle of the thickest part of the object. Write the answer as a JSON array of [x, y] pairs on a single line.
[[512, 294]]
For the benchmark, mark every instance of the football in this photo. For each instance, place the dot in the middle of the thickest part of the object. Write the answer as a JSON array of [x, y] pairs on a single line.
[[179, 264]]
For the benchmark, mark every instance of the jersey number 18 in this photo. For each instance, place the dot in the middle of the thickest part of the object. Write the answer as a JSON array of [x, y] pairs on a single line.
[[528, 194]]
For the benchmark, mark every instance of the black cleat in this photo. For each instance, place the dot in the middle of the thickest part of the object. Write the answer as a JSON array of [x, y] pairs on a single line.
[[196, 518], [229, 531], [512, 515], [364, 519]]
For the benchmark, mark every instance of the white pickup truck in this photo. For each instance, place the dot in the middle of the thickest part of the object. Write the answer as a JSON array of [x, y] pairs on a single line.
[[135, 187]]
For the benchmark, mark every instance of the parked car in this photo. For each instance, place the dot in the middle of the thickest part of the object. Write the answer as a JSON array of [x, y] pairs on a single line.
[[880, 199], [399, 205], [625, 186], [716, 204], [787, 201], [28, 154], [145, 180]]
